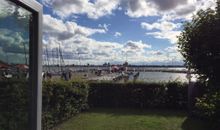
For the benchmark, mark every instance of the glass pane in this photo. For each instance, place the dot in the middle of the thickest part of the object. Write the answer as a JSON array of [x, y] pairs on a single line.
[[14, 66]]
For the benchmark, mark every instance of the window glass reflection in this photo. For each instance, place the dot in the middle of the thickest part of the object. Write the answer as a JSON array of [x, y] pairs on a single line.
[[14, 65]]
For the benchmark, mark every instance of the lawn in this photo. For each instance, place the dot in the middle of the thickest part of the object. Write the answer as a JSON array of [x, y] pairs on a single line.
[[130, 119]]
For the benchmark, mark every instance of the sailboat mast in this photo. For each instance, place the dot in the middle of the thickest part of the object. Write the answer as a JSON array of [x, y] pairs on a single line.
[[61, 58], [48, 63]]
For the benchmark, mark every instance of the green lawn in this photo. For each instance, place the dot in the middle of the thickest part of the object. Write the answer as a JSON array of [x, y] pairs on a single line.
[[130, 119]]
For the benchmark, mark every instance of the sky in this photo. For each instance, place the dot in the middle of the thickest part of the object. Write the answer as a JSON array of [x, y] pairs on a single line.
[[142, 32]]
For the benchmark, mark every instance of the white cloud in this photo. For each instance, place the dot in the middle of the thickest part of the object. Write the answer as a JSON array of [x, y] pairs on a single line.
[[104, 26], [136, 45], [173, 54], [80, 45], [164, 30], [94, 10], [168, 9], [168, 35], [57, 28], [163, 26], [117, 34], [140, 8], [171, 49]]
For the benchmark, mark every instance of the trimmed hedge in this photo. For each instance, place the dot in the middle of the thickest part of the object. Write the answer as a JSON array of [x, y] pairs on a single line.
[[138, 95], [62, 100], [13, 105]]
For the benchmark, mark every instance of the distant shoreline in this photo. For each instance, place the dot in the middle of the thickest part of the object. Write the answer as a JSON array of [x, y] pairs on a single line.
[[171, 66]]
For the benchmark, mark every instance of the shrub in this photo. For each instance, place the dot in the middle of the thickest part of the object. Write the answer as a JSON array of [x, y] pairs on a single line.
[[62, 100], [138, 95], [13, 105], [208, 106]]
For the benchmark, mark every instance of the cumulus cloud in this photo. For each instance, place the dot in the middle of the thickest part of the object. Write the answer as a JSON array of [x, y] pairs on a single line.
[[140, 8], [136, 45], [164, 30], [168, 9], [172, 9], [117, 34], [168, 35], [163, 26], [75, 42], [173, 54], [88, 50], [169, 4], [64, 30], [93, 10], [104, 26]]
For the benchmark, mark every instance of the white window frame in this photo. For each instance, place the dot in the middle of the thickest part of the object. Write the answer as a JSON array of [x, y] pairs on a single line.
[[35, 68]]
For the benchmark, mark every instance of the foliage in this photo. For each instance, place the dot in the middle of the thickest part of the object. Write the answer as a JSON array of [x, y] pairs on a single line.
[[199, 43], [208, 106], [138, 95], [13, 105], [62, 100]]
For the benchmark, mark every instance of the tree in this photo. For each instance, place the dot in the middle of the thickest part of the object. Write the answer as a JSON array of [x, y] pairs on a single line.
[[199, 43]]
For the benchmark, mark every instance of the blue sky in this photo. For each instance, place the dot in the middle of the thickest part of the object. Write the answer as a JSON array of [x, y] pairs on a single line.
[[99, 31]]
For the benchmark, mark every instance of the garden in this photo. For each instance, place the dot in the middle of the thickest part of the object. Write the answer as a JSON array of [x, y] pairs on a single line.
[[69, 105]]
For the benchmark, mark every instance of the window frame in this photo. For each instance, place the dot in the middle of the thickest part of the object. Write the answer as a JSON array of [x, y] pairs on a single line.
[[35, 61]]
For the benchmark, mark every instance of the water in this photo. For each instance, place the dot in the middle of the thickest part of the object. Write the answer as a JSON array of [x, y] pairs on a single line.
[[161, 77], [144, 76]]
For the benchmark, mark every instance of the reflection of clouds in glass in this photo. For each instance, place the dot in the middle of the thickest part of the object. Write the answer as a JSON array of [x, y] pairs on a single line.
[[13, 46], [23, 13], [2, 55], [14, 33], [17, 58], [8, 8], [12, 42]]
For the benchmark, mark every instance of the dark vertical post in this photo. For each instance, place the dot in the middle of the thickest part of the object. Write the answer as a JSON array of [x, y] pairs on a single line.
[[190, 89]]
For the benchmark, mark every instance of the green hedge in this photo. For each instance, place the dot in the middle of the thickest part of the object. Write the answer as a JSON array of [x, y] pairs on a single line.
[[138, 95], [62, 100], [13, 105]]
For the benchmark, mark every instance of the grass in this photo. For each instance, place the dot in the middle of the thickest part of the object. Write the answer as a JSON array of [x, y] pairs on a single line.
[[130, 119]]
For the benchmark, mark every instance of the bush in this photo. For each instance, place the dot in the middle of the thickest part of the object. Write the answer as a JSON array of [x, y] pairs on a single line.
[[208, 106], [14, 105], [138, 95], [62, 100]]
